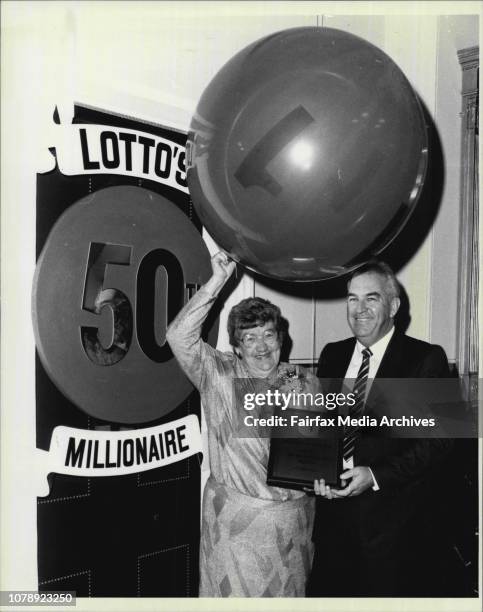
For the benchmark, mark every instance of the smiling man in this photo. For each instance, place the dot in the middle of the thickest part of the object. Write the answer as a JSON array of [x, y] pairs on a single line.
[[372, 303], [370, 533]]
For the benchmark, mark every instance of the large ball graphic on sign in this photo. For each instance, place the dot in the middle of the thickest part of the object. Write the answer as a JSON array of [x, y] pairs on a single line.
[[116, 269], [307, 154]]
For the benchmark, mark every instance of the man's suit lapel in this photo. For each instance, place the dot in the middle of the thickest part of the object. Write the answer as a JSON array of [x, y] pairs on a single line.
[[338, 362], [392, 364], [341, 363]]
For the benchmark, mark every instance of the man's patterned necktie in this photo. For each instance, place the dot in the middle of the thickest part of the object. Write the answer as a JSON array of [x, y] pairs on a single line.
[[352, 433]]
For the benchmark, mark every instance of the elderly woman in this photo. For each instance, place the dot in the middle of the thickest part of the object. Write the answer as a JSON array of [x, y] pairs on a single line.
[[255, 539]]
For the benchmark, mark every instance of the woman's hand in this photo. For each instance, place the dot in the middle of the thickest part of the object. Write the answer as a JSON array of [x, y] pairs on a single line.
[[222, 266]]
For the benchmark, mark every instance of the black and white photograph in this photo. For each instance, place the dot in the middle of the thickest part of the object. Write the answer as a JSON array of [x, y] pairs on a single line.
[[240, 335]]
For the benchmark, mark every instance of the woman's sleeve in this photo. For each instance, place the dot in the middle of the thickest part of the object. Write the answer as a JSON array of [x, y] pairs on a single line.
[[195, 357]]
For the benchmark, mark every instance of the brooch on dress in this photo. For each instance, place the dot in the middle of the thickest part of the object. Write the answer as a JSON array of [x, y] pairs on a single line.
[[289, 378]]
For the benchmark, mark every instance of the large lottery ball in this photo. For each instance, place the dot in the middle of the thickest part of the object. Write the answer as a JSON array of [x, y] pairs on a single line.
[[307, 154]]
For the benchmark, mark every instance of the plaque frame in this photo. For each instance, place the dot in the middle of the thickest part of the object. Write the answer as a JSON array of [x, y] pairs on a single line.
[[297, 459]]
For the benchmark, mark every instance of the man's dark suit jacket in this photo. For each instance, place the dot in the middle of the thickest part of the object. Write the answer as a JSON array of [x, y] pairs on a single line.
[[364, 543]]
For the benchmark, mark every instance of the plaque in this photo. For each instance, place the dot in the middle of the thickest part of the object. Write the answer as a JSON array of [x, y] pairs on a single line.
[[302, 453]]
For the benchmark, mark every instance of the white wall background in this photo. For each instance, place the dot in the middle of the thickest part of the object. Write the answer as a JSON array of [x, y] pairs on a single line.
[[152, 60]]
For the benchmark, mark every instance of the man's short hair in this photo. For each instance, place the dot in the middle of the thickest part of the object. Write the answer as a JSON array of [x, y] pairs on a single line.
[[379, 267]]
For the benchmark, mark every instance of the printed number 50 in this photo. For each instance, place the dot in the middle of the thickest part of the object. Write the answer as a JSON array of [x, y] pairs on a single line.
[[96, 297]]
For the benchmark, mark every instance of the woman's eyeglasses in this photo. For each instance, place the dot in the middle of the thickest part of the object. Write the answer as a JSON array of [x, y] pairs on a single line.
[[269, 337]]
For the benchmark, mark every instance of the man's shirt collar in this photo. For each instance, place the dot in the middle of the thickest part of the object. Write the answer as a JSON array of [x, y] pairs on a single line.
[[378, 348]]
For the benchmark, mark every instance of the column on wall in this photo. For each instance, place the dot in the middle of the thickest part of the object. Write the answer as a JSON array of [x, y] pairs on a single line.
[[468, 332]]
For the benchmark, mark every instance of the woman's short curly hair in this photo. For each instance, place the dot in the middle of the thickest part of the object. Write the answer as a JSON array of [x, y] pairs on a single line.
[[253, 312]]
